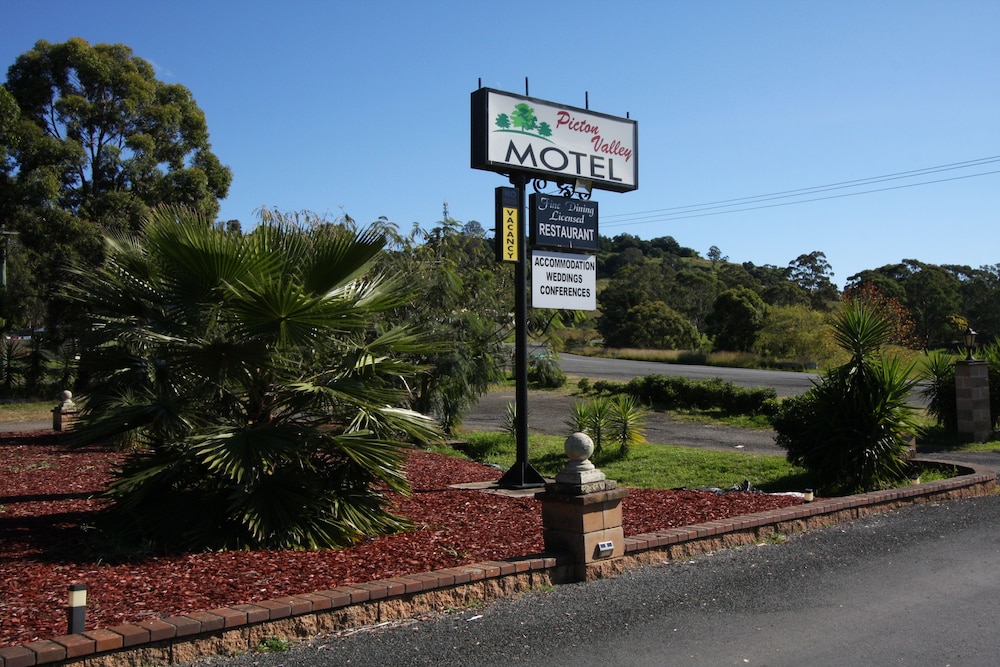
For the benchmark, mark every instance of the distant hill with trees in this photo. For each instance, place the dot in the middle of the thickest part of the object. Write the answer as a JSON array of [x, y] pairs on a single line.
[[659, 294]]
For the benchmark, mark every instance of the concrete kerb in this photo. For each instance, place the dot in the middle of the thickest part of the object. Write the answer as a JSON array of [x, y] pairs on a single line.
[[301, 616]]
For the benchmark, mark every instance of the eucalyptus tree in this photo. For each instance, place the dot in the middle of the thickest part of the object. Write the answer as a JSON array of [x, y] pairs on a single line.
[[737, 315], [632, 286], [980, 290], [812, 272], [692, 293], [934, 297], [90, 139], [261, 398], [654, 325], [933, 294]]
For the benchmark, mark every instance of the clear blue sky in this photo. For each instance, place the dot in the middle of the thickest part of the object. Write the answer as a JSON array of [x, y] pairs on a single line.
[[363, 108]]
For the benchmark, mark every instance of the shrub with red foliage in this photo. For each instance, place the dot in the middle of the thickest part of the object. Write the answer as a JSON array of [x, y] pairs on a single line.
[[49, 497]]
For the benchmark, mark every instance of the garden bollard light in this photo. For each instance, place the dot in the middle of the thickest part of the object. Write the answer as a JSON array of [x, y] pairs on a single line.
[[77, 610]]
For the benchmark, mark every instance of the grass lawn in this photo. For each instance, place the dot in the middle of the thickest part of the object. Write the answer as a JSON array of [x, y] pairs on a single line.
[[26, 411], [937, 439], [671, 466], [648, 466]]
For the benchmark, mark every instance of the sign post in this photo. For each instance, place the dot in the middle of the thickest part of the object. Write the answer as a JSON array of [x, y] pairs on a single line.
[[521, 475], [525, 138]]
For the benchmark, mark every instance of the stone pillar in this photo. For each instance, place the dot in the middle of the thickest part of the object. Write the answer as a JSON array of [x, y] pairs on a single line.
[[581, 512], [972, 396], [65, 413]]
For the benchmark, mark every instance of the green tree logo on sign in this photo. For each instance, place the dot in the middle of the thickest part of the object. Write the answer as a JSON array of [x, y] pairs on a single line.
[[522, 120]]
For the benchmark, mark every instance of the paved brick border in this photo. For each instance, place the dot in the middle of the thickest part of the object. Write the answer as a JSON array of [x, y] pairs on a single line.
[[243, 627]]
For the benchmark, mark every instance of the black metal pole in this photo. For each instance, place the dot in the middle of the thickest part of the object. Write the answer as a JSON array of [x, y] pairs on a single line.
[[521, 475]]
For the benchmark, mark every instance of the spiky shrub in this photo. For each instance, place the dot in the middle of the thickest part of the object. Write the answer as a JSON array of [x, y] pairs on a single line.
[[938, 389], [628, 419], [619, 419], [593, 417], [244, 372], [852, 429]]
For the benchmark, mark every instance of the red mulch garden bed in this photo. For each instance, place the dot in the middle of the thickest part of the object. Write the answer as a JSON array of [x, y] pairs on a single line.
[[48, 495]]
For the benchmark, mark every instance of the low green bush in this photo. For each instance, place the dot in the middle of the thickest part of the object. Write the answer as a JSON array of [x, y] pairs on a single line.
[[544, 372], [677, 393], [609, 387]]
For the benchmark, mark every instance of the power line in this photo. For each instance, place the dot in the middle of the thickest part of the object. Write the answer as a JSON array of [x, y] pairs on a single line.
[[750, 203]]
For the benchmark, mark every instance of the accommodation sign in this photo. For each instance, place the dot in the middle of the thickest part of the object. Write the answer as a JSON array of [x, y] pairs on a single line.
[[563, 280], [563, 222], [513, 133]]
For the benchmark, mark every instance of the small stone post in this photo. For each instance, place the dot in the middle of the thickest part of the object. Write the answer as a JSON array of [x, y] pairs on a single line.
[[972, 395], [65, 413], [582, 513]]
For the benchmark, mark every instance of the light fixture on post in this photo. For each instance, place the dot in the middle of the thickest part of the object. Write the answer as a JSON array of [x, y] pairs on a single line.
[[76, 611], [972, 393], [583, 187], [969, 338]]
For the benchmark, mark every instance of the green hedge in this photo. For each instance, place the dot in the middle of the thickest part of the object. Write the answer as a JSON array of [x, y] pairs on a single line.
[[681, 393]]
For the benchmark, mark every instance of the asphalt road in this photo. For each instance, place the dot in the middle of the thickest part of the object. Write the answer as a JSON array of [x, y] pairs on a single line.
[[913, 587]]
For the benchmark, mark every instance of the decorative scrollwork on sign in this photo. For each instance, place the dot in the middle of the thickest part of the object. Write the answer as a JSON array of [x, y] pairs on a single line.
[[566, 188], [570, 190]]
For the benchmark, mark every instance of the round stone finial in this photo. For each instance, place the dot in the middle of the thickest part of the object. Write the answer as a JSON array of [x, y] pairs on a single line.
[[579, 447], [66, 401]]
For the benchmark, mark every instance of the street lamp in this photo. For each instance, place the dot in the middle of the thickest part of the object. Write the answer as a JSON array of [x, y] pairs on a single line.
[[969, 338]]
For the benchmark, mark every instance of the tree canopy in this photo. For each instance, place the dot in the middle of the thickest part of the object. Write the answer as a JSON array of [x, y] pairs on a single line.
[[91, 140]]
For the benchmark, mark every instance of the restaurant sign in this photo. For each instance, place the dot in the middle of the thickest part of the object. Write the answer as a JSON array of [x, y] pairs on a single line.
[[563, 222], [514, 133]]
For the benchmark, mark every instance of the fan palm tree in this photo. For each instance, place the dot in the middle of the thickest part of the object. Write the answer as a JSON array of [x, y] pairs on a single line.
[[260, 403]]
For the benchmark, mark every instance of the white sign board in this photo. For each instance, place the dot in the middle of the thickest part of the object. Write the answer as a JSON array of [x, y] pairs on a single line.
[[563, 280], [516, 133]]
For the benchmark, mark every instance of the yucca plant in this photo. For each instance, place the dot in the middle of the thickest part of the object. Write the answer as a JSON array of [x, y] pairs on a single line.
[[619, 418], [852, 429], [938, 389], [593, 418], [510, 420], [628, 418], [262, 407]]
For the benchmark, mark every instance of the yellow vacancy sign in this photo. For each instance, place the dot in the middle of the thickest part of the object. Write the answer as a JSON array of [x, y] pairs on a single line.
[[508, 231], [509, 249]]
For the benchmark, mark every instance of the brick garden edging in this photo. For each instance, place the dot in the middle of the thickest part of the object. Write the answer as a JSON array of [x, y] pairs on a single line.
[[243, 627]]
